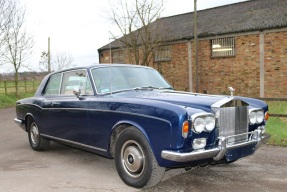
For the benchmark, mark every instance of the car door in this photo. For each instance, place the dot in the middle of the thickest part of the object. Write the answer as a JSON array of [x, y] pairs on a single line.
[[68, 112]]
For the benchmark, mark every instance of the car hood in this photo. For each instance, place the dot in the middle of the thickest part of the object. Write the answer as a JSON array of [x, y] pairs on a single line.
[[188, 99]]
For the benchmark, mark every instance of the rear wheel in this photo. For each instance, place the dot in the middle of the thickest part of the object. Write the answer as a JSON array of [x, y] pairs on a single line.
[[37, 142], [135, 162]]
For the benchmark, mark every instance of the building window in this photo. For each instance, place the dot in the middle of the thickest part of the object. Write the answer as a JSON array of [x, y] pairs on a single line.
[[118, 57], [162, 53], [223, 47]]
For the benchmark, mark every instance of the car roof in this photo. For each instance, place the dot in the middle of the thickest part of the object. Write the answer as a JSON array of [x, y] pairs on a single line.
[[100, 65]]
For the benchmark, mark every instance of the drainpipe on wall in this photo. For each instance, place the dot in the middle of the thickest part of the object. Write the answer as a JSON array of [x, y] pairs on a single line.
[[261, 45], [196, 44], [189, 50]]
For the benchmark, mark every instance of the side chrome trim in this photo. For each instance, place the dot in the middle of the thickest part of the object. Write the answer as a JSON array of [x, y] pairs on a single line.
[[108, 111], [218, 152], [128, 113], [73, 143]]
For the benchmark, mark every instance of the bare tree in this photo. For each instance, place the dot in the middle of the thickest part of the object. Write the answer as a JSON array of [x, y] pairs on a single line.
[[43, 63], [138, 26], [6, 10], [62, 60], [17, 43], [59, 61]]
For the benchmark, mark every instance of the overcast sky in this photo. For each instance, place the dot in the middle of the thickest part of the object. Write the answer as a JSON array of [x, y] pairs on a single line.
[[80, 27]]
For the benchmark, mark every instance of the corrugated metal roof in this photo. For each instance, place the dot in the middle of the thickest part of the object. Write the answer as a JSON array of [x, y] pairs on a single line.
[[239, 17]]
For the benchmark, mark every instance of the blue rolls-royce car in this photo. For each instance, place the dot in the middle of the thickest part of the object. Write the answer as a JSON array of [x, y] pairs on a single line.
[[132, 114]]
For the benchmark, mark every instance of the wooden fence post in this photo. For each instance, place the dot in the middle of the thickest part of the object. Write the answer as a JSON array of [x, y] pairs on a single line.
[[25, 83], [33, 85], [5, 87]]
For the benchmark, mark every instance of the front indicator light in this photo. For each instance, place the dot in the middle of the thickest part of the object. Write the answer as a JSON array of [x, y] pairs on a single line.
[[199, 143], [185, 128], [266, 116]]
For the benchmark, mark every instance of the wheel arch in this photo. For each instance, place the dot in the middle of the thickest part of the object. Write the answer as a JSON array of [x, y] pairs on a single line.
[[118, 128], [27, 120]]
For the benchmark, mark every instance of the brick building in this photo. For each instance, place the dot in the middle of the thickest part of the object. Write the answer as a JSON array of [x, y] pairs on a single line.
[[243, 45]]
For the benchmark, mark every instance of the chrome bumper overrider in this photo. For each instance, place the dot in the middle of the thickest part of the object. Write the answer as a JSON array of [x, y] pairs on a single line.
[[20, 123], [256, 138]]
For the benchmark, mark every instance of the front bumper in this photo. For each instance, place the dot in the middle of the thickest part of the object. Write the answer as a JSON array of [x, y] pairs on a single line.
[[21, 123], [256, 138]]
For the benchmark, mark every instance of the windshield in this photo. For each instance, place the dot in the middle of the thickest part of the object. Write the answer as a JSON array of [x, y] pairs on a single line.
[[117, 78]]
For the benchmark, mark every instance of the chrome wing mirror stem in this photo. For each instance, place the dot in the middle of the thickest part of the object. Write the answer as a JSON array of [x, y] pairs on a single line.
[[77, 92]]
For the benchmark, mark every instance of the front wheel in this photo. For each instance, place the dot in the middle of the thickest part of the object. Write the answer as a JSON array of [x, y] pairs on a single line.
[[37, 142], [134, 159]]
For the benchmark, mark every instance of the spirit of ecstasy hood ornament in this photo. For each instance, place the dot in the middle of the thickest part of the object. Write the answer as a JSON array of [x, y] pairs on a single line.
[[231, 89]]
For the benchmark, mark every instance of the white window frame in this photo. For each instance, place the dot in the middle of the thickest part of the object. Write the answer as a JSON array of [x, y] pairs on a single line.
[[223, 47]]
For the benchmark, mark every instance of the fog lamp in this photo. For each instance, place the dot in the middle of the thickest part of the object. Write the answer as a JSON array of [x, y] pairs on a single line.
[[199, 143]]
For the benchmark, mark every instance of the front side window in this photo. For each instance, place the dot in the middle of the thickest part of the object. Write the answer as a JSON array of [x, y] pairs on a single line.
[[162, 53], [77, 79], [112, 79], [223, 47]]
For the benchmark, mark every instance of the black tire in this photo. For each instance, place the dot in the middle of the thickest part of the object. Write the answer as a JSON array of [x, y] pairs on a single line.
[[37, 142], [135, 161]]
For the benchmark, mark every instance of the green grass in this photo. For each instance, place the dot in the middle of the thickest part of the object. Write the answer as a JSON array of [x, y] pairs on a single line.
[[277, 107], [277, 126], [10, 100]]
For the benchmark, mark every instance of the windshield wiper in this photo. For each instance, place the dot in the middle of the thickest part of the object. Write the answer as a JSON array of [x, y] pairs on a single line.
[[151, 87]]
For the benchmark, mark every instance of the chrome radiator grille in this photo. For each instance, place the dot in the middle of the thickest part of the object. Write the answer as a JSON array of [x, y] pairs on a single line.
[[233, 121]]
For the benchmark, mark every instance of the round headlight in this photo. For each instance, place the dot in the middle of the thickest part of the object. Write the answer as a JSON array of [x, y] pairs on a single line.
[[210, 123], [252, 117], [199, 125], [259, 116]]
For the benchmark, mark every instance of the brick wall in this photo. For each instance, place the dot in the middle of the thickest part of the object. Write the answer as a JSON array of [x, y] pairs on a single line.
[[275, 59], [241, 71], [176, 70]]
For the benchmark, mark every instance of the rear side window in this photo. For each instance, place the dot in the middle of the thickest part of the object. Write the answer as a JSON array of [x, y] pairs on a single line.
[[54, 84], [65, 83]]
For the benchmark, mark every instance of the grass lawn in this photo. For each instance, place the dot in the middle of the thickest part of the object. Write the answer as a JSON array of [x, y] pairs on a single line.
[[10, 100], [277, 126]]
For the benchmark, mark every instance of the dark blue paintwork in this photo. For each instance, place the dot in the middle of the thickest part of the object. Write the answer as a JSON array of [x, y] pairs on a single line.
[[90, 120]]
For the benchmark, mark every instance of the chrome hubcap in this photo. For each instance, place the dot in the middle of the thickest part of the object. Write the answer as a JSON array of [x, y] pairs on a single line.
[[132, 157], [34, 133]]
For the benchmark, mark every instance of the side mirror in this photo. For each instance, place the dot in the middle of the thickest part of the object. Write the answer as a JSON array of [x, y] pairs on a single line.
[[77, 92]]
